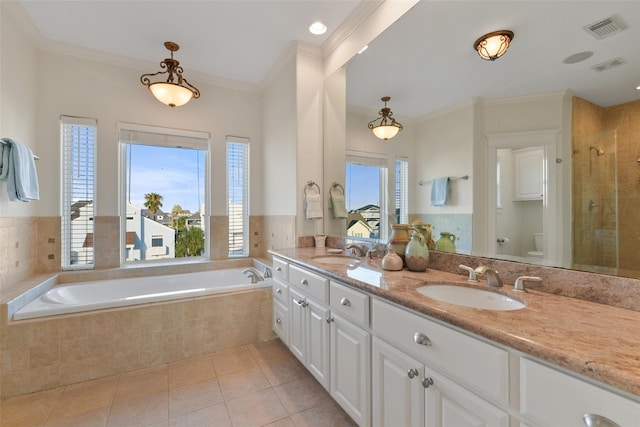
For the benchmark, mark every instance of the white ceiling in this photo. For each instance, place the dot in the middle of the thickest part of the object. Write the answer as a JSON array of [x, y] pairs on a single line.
[[425, 61]]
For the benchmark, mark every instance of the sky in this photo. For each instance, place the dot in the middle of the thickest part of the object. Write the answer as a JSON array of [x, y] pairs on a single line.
[[171, 172], [362, 186]]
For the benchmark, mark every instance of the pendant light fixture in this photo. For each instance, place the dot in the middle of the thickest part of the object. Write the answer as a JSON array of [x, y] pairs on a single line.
[[385, 126], [176, 90], [493, 45]]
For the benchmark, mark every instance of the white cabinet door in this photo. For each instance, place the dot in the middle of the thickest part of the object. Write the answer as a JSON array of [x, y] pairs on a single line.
[[317, 342], [552, 398], [297, 332], [397, 393], [350, 368], [449, 405], [281, 321], [529, 173]]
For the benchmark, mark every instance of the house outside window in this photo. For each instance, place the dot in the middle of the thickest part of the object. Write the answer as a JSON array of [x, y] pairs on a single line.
[[78, 140]]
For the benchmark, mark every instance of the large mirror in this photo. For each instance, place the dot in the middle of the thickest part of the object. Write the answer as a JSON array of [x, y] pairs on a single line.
[[559, 112]]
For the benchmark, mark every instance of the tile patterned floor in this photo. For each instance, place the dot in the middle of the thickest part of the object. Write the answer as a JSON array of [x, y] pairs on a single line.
[[260, 384]]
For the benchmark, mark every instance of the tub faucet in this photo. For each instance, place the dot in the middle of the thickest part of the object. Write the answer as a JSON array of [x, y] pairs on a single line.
[[253, 274], [267, 273], [493, 278], [357, 250]]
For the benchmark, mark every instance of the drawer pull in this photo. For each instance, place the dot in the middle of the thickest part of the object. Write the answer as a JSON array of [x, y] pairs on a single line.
[[412, 373], [302, 303], [330, 319], [421, 339], [278, 321], [278, 291], [345, 301], [427, 382], [304, 282], [595, 420], [278, 269]]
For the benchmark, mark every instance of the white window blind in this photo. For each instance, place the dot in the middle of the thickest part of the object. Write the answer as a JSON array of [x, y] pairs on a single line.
[[402, 191], [238, 195], [78, 138]]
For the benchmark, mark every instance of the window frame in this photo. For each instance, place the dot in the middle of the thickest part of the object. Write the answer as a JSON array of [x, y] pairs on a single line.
[[245, 143], [170, 138], [66, 192]]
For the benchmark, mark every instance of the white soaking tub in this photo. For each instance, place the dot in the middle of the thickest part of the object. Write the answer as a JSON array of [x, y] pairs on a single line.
[[99, 294]]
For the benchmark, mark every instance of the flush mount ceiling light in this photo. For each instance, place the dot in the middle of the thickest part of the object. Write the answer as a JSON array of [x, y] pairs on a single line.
[[385, 126], [318, 28], [493, 45], [171, 92]]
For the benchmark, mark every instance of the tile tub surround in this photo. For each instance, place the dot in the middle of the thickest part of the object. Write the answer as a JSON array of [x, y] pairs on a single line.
[[40, 354], [598, 341]]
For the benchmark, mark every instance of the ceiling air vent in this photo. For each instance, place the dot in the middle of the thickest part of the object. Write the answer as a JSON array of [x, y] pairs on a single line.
[[605, 28], [607, 65]]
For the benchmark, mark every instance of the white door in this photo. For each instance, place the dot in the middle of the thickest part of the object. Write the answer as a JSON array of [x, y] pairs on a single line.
[[318, 354], [350, 367], [397, 395], [297, 330], [449, 405]]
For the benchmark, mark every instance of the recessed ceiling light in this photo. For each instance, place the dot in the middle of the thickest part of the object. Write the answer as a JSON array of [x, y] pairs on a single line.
[[318, 28], [638, 88]]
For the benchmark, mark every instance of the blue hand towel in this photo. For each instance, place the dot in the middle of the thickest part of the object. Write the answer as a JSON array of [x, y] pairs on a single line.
[[22, 180], [5, 152], [440, 191]]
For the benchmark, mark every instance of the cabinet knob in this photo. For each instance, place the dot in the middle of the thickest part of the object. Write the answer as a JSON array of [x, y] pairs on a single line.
[[330, 319], [412, 373], [304, 282], [278, 268], [278, 291], [595, 420], [421, 339], [345, 301], [427, 382], [278, 321], [302, 303]]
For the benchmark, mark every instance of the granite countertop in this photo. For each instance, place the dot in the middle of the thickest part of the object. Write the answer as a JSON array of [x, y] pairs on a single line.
[[596, 340]]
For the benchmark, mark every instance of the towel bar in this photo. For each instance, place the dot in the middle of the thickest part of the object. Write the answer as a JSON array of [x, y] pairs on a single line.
[[451, 178], [6, 143]]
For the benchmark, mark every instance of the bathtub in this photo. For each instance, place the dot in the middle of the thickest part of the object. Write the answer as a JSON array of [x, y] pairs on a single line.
[[100, 294]]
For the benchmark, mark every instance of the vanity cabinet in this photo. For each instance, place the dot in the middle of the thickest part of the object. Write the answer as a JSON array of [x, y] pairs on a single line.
[[549, 397], [350, 352], [528, 164], [280, 290], [428, 374]]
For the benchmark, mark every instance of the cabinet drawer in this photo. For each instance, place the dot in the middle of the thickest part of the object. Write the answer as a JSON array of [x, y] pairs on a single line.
[[552, 398], [280, 269], [281, 321], [310, 283], [280, 291], [473, 363], [349, 303]]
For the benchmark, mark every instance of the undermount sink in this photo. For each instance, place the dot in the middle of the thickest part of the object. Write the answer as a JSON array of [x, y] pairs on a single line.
[[471, 297], [338, 260]]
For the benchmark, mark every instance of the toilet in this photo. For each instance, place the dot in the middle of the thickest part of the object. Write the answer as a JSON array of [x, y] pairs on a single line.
[[538, 253]]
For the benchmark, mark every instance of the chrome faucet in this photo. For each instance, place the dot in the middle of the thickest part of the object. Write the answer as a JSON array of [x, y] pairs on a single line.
[[357, 250], [519, 283], [253, 274], [472, 273], [493, 278], [267, 273]]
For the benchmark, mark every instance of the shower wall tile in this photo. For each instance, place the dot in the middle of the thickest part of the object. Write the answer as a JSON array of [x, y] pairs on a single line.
[[279, 231], [458, 224]]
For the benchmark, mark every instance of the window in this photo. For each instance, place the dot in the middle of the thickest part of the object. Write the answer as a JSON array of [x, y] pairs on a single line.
[[238, 195], [366, 198], [402, 191], [165, 192], [78, 139]]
